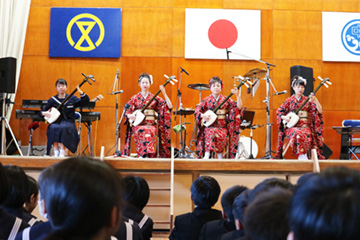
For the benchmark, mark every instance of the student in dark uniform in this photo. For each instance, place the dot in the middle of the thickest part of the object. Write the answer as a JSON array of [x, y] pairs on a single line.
[[128, 230], [214, 229], [136, 196], [239, 205], [17, 195], [32, 199], [9, 224], [205, 191], [82, 197], [62, 133], [266, 216]]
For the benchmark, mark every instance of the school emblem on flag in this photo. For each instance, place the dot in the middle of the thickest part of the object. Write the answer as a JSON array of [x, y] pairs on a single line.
[[85, 32], [222, 34], [341, 36]]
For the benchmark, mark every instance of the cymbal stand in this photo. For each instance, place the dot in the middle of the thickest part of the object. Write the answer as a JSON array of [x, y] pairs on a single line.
[[193, 135], [4, 122], [179, 105], [267, 101]]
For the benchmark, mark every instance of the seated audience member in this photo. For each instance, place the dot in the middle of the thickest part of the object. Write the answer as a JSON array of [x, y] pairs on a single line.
[[32, 200], [266, 216], [9, 224], [33, 195], [327, 206], [239, 205], [82, 199], [205, 191], [136, 196], [127, 230], [18, 189], [216, 228], [267, 184]]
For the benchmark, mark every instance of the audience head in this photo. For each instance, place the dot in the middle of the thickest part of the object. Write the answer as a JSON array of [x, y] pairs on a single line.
[[3, 185], [18, 184], [136, 191], [205, 191], [32, 196], [268, 184], [305, 177], [239, 205], [266, 216], [82, 198], [227, 200], [327, 206]]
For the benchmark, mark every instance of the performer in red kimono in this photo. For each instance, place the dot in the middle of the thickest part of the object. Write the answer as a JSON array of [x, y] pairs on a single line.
[[226, 126], [308, 132], [158, 113]]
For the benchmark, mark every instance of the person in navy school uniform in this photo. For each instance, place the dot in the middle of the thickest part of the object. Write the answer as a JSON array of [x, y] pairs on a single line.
[[205, 191], [62, 133], [62, 224], [136, 196], [32, 199], [9, 224], [216, 228], [239, 205], [18, 190]]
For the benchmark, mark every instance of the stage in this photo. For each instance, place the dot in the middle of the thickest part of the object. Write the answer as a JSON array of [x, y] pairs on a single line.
[[251, 166]]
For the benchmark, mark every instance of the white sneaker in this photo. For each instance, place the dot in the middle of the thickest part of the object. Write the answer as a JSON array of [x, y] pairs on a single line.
[[303, 157]]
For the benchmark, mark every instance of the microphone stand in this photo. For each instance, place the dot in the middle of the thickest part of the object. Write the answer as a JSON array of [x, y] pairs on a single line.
[[179, 106], [267, 101]]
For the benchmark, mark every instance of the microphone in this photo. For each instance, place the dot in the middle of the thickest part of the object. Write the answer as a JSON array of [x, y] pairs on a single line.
[[227, 53], [183, 70], [117, 92], [279, 93], [33, 125]]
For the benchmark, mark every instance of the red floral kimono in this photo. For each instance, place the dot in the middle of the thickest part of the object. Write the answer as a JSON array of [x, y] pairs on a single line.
[[215, 137], [304, 135], [145, 133]]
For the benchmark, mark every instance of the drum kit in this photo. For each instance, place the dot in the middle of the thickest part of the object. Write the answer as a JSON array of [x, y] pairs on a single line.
[[247, 148]]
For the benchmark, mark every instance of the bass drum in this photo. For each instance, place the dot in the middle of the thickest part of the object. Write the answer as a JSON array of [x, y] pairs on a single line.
[[244, 148]]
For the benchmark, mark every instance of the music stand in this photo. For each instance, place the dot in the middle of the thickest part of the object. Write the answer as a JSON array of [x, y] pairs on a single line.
[[248, 117]]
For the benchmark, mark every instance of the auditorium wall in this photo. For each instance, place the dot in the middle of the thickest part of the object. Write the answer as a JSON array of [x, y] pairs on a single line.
[[153, 38]]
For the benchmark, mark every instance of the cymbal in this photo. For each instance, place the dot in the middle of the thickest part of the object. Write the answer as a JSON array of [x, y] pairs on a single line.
[[184, 112], [255, 73], [199, 86]]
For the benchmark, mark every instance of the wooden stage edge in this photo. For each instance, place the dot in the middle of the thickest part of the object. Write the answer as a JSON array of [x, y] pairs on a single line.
[[255, 166]]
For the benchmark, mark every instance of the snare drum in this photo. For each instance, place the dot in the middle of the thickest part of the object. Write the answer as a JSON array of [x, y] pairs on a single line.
[[244, 148]]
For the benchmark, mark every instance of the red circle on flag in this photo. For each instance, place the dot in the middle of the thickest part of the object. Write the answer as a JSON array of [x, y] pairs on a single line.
[[223, 33]]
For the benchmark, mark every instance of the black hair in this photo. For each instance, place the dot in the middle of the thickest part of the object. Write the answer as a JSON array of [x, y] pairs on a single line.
[[3, 185], [61, 81], [145, 75], [18, 186], [239, 205], [297, 80], [33, 188], [270, 183], [80, 194], [205, 191], [136, 191], [266, 217], [227, 200], [327, 206], [214, 80]]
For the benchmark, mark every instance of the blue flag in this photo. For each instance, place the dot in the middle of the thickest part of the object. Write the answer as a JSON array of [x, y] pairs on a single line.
[[85, 32]]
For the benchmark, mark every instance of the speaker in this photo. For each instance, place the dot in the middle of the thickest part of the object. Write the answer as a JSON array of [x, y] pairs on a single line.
[[305, 72], [7, 74], [327, 152]]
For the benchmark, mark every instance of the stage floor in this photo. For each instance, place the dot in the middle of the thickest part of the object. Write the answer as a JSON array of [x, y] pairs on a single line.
[[257, 166]]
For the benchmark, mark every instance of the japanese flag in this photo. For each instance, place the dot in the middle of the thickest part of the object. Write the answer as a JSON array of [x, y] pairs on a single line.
[[222, 34]]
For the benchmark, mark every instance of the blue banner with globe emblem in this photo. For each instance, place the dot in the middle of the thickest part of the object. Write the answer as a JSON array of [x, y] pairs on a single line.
[[341, 36], [85, 32]]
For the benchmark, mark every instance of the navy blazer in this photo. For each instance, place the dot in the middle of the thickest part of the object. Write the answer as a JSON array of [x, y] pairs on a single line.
[[188, 226], [214, 229]]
